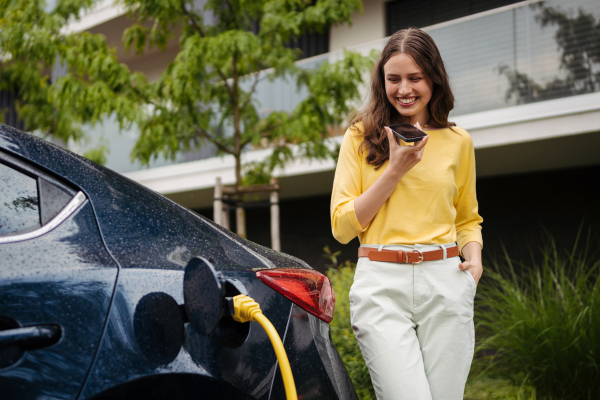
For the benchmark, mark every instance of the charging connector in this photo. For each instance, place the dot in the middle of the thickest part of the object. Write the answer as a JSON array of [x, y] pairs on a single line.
[[245, 309]]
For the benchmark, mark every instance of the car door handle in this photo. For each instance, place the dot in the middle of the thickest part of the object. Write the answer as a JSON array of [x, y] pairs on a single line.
[[31, 337]]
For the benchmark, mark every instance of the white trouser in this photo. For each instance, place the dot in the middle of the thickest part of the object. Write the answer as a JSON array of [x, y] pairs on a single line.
[[414, 325]]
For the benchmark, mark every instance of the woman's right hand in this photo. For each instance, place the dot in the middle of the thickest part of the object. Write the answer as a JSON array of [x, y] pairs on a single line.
[[404, 158]]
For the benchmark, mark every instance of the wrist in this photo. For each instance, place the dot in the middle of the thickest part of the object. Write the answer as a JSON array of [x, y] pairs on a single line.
[[393, 174]]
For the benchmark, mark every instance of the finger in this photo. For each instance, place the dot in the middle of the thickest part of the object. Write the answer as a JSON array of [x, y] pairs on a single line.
[[391, 137], [464, 265], [421, 144]]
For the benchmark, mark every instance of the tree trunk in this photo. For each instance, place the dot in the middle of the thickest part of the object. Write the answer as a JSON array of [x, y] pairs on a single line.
[[240, 214]]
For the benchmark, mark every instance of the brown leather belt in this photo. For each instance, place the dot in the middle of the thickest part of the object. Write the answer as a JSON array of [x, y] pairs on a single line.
[[404, 257]]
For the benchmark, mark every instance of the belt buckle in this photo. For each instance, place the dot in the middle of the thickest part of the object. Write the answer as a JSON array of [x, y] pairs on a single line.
[[420, 258]]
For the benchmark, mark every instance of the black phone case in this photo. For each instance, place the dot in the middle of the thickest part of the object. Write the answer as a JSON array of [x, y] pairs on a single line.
[[408, 140]]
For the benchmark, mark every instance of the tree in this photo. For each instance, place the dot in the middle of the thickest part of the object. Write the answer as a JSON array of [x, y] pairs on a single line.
[[32, 43], [208, 93]]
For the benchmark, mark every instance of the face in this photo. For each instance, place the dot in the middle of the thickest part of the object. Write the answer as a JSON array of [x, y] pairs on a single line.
[[408, 88]]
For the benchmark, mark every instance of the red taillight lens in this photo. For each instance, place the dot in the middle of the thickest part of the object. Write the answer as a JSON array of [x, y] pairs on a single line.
[[307, 288]]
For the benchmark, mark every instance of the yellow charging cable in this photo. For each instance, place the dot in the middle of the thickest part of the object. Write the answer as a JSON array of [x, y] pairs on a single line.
[[245, 309]]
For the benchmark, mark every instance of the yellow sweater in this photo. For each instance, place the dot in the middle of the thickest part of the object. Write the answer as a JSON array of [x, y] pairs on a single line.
[[434, 203]]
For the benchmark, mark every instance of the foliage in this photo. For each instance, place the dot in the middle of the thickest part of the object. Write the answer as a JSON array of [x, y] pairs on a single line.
[[483, 387], [342, 276], [98, 153], [206, 94], [543, 325], [23, 203], [256, 173], [33, 42]]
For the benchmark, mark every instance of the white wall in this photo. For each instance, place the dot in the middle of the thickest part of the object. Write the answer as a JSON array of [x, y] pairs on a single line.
[[366, 26]]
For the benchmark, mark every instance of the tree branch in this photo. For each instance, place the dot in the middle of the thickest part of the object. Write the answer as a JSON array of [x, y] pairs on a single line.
[[252, 89], [207, 135], [214, 141], [147, 99]]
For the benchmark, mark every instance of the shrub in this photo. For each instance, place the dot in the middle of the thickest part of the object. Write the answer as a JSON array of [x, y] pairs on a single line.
[[541, 326]]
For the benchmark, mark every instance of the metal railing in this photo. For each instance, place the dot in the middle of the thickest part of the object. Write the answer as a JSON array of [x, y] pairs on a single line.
[[522, 53]]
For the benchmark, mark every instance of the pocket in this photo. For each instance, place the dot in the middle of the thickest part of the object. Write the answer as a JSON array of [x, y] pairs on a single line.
[[472, 281]]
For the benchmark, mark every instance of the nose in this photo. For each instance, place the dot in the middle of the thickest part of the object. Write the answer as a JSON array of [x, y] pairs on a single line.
[[404, 88]]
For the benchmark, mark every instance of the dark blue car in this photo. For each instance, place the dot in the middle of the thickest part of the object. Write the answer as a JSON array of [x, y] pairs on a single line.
[[95, 300]]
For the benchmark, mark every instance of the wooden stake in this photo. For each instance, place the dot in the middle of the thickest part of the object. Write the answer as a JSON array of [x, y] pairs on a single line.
[[240, 221], [218, 203], [225, 217], [275, 237]]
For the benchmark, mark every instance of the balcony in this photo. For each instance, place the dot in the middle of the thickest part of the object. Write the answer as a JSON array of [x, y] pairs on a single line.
[[512, 55]]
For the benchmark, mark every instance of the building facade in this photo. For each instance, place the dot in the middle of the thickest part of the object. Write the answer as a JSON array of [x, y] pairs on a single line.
[[526, 77]]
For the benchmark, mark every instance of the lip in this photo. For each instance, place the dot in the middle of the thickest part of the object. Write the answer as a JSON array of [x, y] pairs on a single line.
[[407, 104]]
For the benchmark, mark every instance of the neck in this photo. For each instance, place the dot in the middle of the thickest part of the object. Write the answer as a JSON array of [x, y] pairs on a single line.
[[423, 121]]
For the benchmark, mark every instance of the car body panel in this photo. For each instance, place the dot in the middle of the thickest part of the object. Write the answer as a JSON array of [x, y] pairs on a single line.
[[64, 277], [250, 367], [173, 386], [317, 367]]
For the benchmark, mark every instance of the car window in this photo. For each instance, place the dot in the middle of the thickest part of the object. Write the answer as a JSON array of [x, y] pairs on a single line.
[[52, 200], [19, 202], [29, 197]]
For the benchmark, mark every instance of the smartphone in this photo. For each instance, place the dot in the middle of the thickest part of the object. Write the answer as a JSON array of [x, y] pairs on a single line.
[[407, 132]]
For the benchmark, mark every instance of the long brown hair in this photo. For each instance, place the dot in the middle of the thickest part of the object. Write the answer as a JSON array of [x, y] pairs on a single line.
[[378, 112]]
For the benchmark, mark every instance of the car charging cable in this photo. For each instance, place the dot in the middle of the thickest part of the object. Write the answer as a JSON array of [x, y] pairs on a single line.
[[244, 309]]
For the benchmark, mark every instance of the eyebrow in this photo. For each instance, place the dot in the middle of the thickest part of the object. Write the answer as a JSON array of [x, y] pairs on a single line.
[[411, 74]]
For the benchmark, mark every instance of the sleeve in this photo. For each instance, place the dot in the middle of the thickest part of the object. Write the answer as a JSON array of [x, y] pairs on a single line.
[[347, 187], [468, 221]]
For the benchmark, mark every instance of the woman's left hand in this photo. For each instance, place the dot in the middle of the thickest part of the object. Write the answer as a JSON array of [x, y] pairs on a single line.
[[472, 263]]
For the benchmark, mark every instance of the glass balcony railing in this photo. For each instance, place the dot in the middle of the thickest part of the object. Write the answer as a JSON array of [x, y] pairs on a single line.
[[532, 51], [514, 55]]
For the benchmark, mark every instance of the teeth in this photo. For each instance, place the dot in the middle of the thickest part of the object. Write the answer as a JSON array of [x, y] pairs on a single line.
[[407, 101]]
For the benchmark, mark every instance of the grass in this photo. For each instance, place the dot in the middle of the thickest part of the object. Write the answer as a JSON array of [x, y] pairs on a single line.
[[542, 325]]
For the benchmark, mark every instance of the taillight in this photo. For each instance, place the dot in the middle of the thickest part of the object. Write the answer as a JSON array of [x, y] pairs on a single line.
[[307, 288]]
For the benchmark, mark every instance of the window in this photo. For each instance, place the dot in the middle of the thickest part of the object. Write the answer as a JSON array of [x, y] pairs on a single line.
[[402, 14], [29, 198], [312, 43], [19, 202]]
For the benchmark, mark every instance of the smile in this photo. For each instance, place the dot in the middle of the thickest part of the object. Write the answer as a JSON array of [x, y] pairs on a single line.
[[407, 101]]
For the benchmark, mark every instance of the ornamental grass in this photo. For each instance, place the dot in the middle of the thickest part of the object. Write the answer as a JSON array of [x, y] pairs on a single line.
[[538, 325]]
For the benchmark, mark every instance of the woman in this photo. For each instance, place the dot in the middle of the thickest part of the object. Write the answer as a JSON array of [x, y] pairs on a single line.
[[411, 302]]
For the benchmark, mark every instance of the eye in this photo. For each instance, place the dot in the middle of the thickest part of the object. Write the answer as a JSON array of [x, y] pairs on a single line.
[[415, 79]]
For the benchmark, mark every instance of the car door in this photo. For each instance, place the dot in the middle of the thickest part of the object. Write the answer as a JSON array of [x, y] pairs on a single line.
[[56, 284]]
